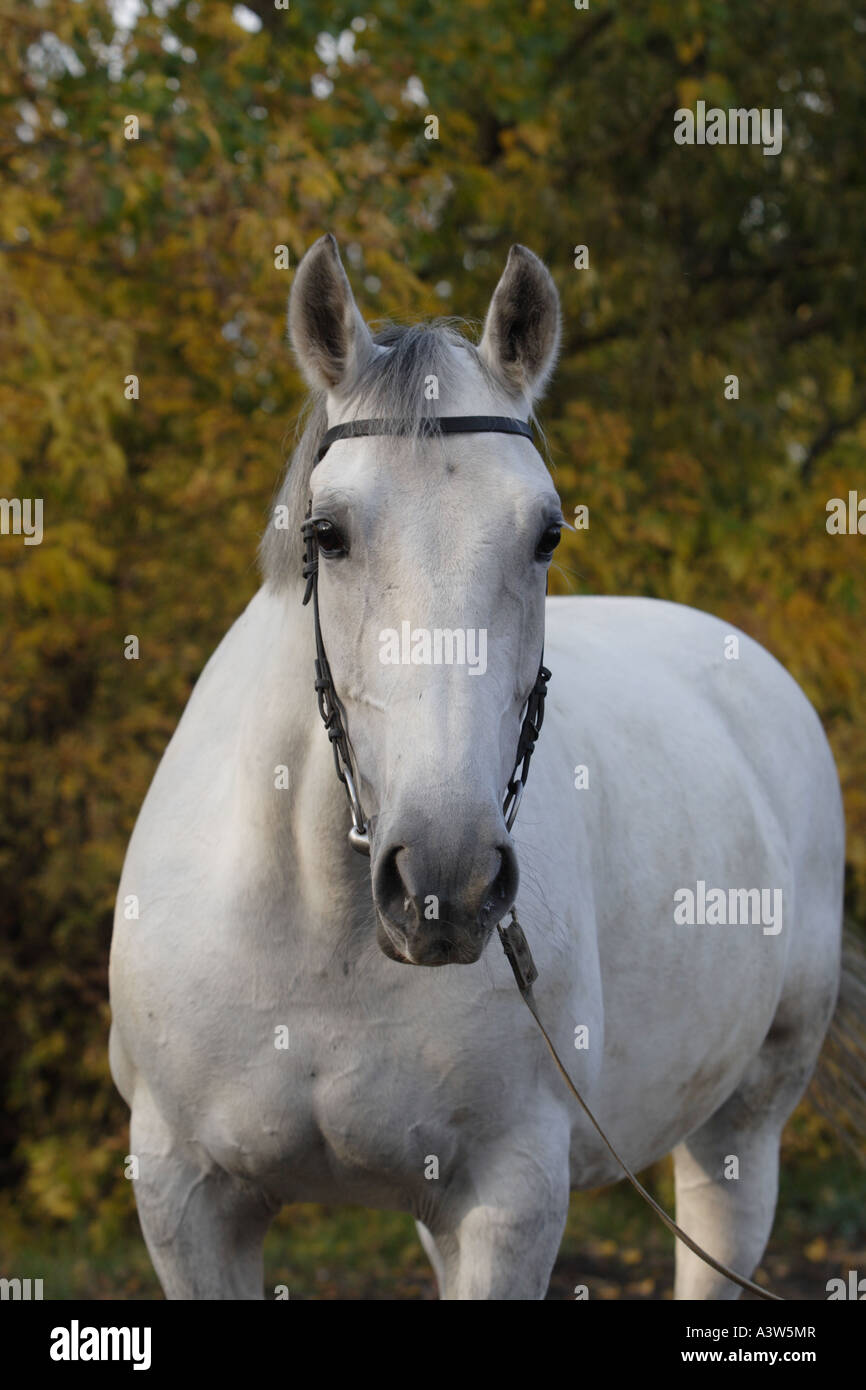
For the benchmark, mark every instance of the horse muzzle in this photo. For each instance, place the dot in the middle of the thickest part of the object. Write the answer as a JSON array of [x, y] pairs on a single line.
[[437, 904]]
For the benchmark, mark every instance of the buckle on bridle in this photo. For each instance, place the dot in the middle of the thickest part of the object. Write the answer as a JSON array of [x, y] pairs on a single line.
[[516, 948]]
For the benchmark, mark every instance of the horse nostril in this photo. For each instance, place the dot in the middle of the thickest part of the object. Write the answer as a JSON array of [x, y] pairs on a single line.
[[503, 890], [389, 889]]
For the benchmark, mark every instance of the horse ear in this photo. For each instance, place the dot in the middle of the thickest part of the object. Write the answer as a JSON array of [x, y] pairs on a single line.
[[521, 332], [326, 329]]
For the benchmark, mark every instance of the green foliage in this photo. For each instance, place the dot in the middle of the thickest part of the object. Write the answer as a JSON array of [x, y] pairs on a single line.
[[156, 257]]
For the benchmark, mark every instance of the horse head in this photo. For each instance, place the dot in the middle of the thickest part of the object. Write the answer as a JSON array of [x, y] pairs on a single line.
[[432, 552]]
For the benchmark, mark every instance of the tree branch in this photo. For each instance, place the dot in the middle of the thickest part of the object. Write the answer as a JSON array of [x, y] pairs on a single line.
[[584, 35], [826, 436]]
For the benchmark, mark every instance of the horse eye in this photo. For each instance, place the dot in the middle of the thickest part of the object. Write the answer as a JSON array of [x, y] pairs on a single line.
[[549, 541], [329, 539]]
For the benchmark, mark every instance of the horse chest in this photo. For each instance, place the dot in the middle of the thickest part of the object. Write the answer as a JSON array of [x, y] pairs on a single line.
[[334, 1114]]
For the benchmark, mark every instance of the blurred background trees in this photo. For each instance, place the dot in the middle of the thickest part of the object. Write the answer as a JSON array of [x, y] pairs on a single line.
[[156, 257]]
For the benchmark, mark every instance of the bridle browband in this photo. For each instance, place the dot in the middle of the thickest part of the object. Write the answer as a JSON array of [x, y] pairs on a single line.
[[435, 424], [513, 940], [330, 709]]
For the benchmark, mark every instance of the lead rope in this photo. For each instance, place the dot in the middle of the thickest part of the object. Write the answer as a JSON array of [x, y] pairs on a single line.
[[519, 956]]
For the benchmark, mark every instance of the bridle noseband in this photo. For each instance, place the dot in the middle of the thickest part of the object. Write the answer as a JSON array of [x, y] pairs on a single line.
[[333, 715]]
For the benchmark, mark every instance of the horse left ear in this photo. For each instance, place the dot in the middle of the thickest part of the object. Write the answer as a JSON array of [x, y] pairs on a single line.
[[521, 332]]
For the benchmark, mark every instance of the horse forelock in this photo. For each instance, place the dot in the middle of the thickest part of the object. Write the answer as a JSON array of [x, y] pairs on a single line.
[[390, 385]]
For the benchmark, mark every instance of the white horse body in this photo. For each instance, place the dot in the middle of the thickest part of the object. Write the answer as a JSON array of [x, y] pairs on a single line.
[[254, 915], [386, 1066]]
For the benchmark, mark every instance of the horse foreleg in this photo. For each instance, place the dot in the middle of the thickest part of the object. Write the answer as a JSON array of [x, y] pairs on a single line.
[[730, 1217], [204, 1228], [727, 1171], [497, 1235]]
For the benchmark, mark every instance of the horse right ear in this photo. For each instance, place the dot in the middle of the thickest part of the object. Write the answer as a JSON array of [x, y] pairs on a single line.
[[327, 332]]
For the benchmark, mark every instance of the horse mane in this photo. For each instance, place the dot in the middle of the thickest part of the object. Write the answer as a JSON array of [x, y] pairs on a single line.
[[389, 384]]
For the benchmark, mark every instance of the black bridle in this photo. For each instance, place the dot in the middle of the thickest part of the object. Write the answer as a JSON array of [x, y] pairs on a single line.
[[330, 709], [437, 424]]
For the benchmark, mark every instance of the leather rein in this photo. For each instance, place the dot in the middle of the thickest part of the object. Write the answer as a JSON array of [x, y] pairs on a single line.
[[332, 713]]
